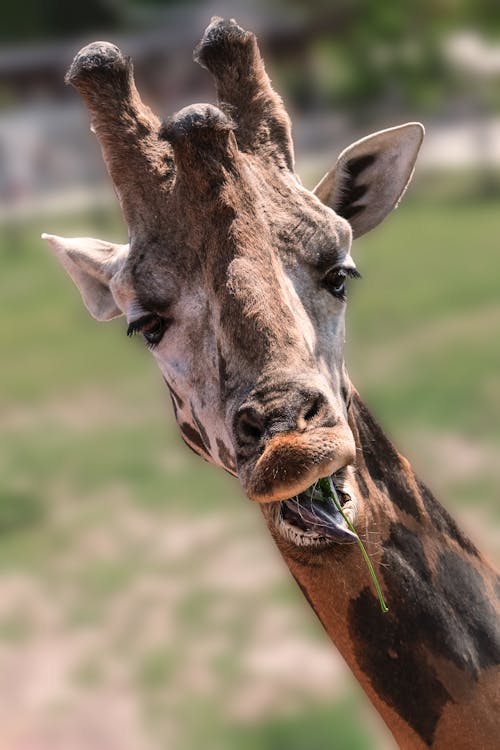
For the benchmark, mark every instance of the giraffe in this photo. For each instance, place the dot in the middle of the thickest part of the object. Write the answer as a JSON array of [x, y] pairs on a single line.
[[235, 275]]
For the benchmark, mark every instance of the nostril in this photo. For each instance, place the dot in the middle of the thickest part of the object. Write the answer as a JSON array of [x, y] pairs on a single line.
[[250, 430], [250, 427], [313, 409]]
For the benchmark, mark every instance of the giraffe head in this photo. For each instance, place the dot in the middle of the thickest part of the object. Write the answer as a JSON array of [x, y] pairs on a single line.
[[235, 274]]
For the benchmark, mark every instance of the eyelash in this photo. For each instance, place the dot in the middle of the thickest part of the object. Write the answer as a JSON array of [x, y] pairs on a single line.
[[152, 325], [352, 273], [344, 273]]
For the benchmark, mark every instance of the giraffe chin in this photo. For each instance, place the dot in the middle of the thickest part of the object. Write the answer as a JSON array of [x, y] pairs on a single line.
[[310, 520]]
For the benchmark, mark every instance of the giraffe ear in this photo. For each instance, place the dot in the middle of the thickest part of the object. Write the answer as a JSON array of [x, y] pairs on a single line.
[[371, 176], [91, 264]]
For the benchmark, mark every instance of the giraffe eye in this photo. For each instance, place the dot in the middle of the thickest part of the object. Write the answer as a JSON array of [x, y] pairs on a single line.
[[152, 327], [334, 282], [153, 332]]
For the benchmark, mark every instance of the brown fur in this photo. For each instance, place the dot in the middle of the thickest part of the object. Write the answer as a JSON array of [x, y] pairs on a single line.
[[231, 255], [431, 665], [140, 166]]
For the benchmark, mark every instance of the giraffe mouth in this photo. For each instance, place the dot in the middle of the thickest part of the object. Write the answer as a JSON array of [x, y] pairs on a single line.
[[311, 520]]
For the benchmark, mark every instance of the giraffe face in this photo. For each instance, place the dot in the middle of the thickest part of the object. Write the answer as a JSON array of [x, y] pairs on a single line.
[[236, 274], [247, 327]]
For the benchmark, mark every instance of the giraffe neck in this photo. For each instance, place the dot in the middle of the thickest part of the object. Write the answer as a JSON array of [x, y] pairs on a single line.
[[431, 664]]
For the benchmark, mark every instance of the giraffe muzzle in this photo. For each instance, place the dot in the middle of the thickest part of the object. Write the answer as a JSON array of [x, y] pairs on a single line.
[[293, 461]]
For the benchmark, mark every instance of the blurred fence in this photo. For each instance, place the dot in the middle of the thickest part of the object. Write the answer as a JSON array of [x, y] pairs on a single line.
[[50, 162]]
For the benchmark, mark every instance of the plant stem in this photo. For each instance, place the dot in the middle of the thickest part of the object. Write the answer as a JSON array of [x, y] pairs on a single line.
[[328, 489]]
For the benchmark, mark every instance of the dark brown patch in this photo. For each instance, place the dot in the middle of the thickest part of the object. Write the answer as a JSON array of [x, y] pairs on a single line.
[[430, 613], [476, 630], [226, 388], [189, 432], [225, 456], [176, 399], [362, 484], [358, 164], [351, 211], [346, 395], [441, 520], [448, 615], [222, 367], [383, 461], [408, 683], [397, 668], [352, 190], [201, 430]]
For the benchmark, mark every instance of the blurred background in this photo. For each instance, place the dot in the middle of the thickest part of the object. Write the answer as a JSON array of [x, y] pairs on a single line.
[[142, 603]]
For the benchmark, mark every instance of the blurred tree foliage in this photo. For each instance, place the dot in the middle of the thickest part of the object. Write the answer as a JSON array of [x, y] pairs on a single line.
[[382, 53], [32, 19], [50, 19]]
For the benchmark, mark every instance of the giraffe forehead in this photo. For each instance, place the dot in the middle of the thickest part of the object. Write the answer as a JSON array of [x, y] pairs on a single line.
[[229, 267], [257, 214]]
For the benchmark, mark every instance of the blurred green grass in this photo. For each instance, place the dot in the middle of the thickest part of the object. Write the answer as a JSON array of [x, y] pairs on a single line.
[[423, 331], [88, 447]]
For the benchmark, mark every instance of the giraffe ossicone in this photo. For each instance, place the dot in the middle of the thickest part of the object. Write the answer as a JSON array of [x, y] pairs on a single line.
[[236, 277]]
